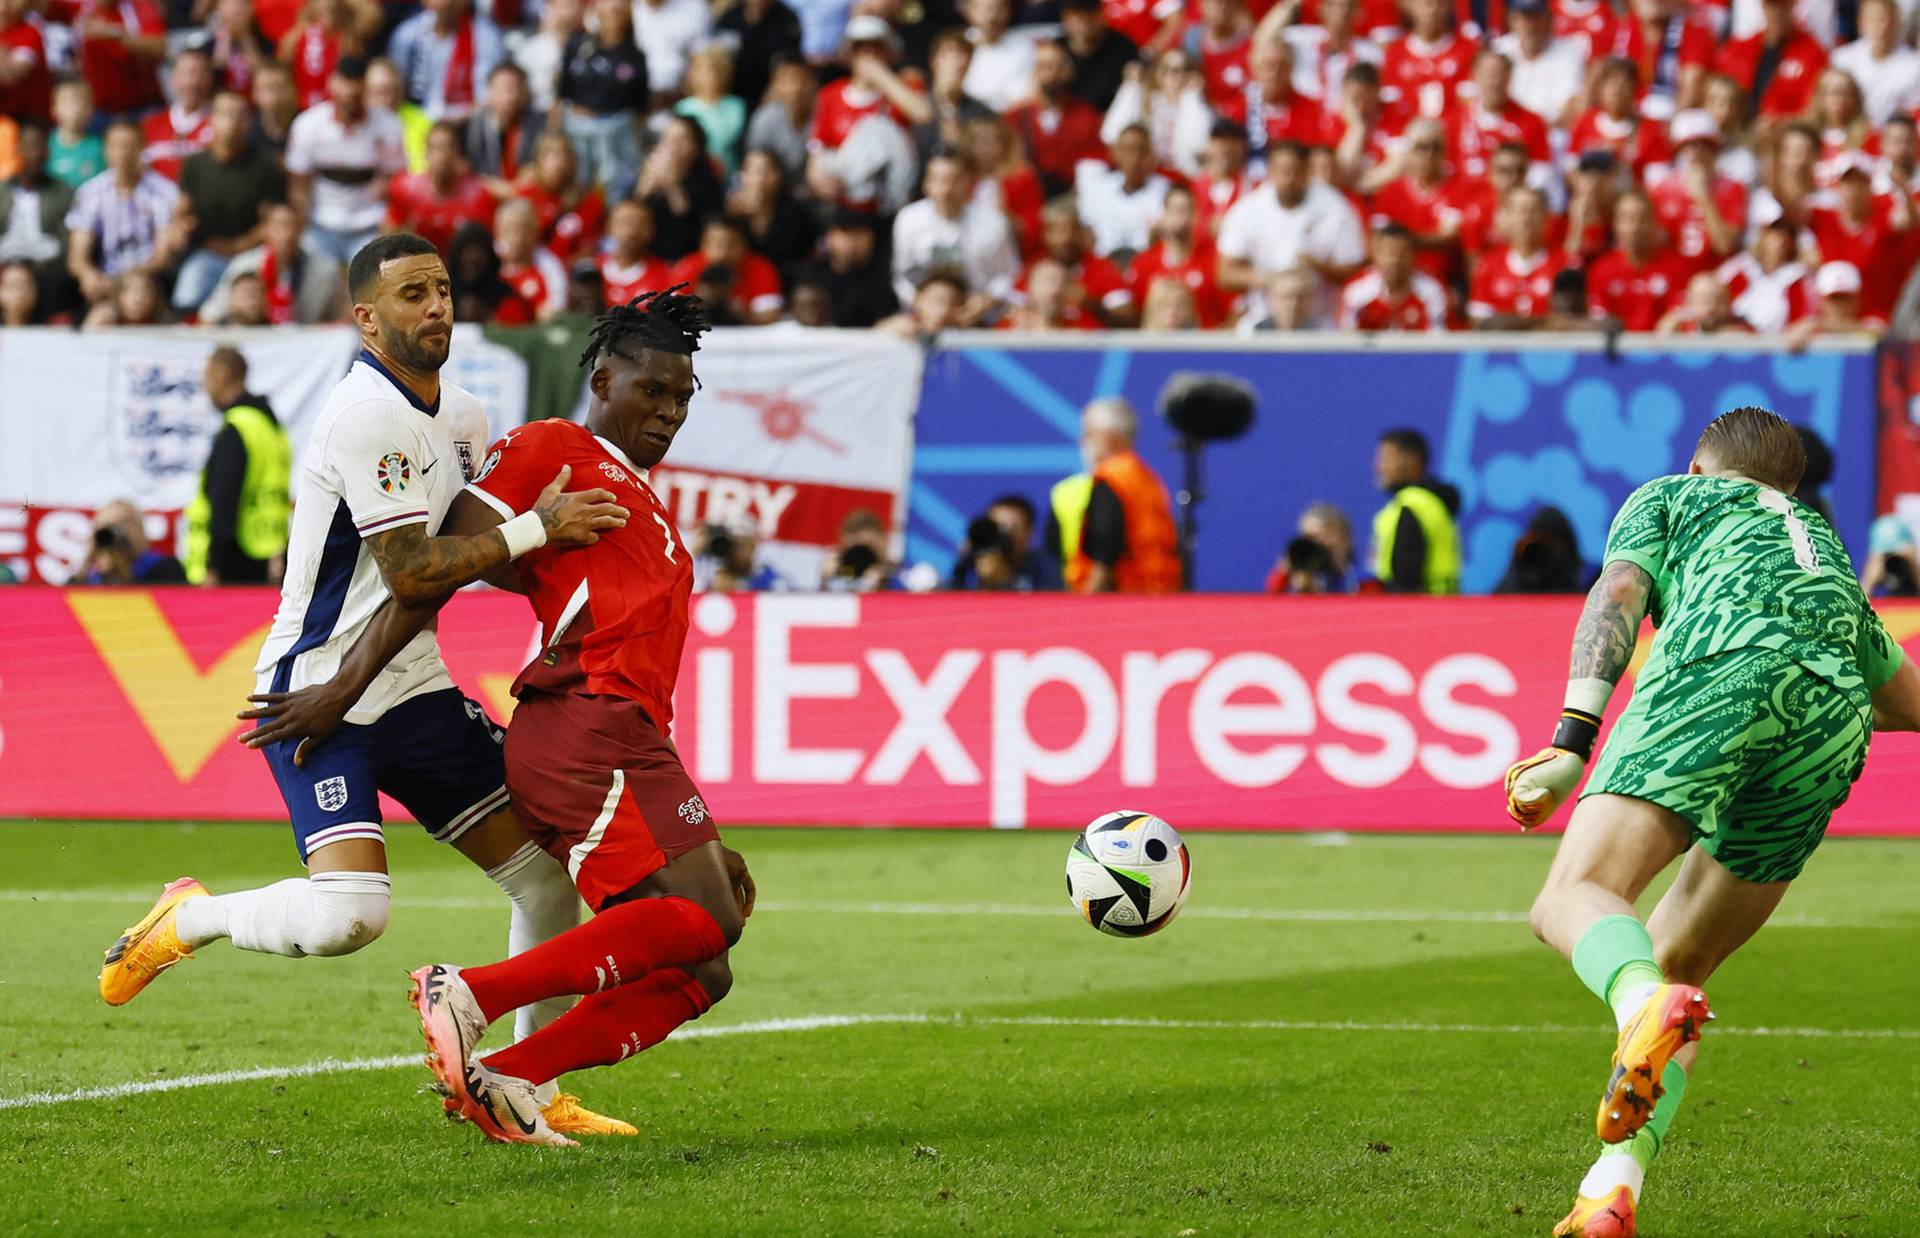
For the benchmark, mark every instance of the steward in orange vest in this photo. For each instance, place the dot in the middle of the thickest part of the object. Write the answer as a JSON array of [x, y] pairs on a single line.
[[1114, 527]]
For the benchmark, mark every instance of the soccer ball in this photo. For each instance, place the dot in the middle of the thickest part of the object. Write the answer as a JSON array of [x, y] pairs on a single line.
[[1128, 874]]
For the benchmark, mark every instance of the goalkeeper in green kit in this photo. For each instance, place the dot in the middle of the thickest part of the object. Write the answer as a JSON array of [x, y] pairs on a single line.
[[1747, 728]]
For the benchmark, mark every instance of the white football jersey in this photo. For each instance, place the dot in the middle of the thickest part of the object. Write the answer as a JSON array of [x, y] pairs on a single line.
[[377, 459]]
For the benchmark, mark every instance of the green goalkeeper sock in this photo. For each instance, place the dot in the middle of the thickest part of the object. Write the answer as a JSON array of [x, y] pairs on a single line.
[[1614, 959]]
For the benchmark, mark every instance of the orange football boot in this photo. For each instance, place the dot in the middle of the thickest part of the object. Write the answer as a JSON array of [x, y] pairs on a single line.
[[149, 947], [1673, 1015], [1611, 1217]]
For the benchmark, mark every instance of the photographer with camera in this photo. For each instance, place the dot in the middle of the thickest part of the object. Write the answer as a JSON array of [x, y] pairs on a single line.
[[121, 554], [725, 562], [861, 564], [998, 553]]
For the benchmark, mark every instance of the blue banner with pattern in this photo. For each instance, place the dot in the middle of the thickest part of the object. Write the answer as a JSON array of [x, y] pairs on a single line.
[[1513, 430]]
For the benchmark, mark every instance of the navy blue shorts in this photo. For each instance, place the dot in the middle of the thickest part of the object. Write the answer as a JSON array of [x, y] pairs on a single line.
[[437, 754]]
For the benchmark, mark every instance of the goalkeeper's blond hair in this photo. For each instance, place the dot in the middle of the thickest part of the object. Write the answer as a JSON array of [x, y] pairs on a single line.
[[1756, 443]]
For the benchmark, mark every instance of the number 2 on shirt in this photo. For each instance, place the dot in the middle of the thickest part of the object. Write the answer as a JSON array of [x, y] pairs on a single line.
[[1804, 552]]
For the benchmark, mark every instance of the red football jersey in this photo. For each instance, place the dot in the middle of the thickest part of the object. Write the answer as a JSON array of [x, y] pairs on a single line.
[[1473, 134], [1882, 255], [756, 283], [1681, 216], [1637, 295], [1422, 212], [1592, 20], [414, 206], [172, 137], [1504, 285], [841, 106], [30, 98], [314, 55], [1634, 142], [1420, 79], [1658, 59], [121, 81], [1790, 90], [1213, 198], [1366, 305], [1224, 69], [1371, 15], [1198, 273], [568, 231], [619, 605], [624, 283]]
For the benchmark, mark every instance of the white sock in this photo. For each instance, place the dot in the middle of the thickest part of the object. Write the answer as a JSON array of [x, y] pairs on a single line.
[[325, 914], [1611, 1172], [1631, 1001], [545, 905]]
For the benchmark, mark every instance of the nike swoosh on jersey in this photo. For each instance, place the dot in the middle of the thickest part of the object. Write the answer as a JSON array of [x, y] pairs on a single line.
[[427, 467]]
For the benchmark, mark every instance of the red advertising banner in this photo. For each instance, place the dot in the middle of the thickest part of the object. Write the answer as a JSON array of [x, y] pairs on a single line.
[[1245, 712]]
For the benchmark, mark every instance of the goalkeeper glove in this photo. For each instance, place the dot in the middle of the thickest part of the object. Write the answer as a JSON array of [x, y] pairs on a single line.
[[1540, 784]]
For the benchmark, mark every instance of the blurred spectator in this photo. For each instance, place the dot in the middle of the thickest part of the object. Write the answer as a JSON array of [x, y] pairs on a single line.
[[226, 187], [340, 156], [1421, 72], [1290, 223], [1893, 559], [1591, 187], [246, 304], [75, 154], [1180, 252], [952, 108], [1101, 56], [26, 81], [1423, 201], [1726, 104], [628, 265], [501, 135], [1839, 312], [9, 147], [121, 554], [1513, 285], [1416, 540], [1119, 204], [1003, 179], [1169, 306], [778, 228], [444, 54], [809, 303], [1875, 235], [1304, 567], [1328, 526], [1490, 119], [134, 301], [1672, 51], [1778, 65], [1546, 558], [1548, 71], [1614, 122], [542, 54], [603, 84], [185, 126], [1288, 301], [1111, 527], [33, 215], [235, 527], [1706, 309], [326, 31], [859, 151], [1058, 127], [757, 295], [1788, 184], [862, 563], [1702, 212], [724, 117], [386, 92], [758, 33], [1839, 115], [235, 47], [784, 118], [434, 203], [123, 219], [19, 295], [536, 280], [946, 227], [1273, 111], [680, 185], [999, 553], [293, 286], [571, 212], [1003, 58], [1224, 177], [1167, 99], [1887, 70], [276, 105], [1324, 54], [1215, 53], [1045, 303], [1567, 306], [1393, 294], [1363, 143], [726, 560], [667, 32], [1899, 157], [939, 304], [858, 286], [1096, 286], [120, 45], [1768, 282], [1636, 282], [474, 265]]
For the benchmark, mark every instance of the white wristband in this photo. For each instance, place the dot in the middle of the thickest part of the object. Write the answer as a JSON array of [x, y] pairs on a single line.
[[524, 532], [1589, 696]]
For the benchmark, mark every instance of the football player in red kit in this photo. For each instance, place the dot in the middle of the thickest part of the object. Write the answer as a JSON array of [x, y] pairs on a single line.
[[620, 811]]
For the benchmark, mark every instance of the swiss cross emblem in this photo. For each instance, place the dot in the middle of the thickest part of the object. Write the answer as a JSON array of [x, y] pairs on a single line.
[[614, 472], [694, 811]]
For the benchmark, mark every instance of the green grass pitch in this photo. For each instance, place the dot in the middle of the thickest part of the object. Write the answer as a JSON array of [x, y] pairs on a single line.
[[1353, 1036]]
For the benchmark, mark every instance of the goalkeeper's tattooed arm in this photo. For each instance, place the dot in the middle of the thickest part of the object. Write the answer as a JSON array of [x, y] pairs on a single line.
[[1610, 624]]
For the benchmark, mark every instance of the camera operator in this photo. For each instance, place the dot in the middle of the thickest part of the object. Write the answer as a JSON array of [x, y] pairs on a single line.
[[121, 554]]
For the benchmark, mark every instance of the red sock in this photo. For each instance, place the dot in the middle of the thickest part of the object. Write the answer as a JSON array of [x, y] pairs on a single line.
[[606, 1027], [620, 945]]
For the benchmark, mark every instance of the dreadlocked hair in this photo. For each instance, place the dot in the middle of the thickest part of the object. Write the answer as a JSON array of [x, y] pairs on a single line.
[[669, 320]]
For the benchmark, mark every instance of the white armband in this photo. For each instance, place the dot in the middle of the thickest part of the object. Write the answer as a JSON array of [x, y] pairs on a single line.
[[524, 532]]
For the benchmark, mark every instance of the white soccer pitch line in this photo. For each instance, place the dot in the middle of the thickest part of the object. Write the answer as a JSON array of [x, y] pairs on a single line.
[[809, 1023], [1277, 915]]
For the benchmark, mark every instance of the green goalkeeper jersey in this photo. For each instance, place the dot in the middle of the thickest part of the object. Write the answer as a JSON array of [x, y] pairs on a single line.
[[1738, 565]]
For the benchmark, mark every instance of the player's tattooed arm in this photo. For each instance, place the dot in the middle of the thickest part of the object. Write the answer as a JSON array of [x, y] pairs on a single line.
[[419, 569], [1610, 624], [314, 713]]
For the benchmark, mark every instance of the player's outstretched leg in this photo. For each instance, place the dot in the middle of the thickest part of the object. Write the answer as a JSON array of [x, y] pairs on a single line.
[[150, 946]]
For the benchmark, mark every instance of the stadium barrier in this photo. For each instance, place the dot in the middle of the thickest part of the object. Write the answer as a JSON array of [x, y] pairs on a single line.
[[1248, 713]]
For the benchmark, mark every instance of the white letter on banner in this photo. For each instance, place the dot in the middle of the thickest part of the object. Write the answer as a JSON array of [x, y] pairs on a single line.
[[1144, 679], [1016, 757], [923, 725], [772, 503], [714, 615], [1212, 719], [1398, 740], [1500, 742], [778, 682]]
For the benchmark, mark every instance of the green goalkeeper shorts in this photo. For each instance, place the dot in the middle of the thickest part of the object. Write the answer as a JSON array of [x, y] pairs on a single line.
[[1752, 750]]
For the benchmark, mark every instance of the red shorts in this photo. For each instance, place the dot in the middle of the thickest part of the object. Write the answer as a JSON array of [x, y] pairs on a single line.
[[601, 790]]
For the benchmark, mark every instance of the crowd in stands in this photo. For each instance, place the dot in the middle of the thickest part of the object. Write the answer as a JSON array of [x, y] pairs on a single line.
[[1040, 165]]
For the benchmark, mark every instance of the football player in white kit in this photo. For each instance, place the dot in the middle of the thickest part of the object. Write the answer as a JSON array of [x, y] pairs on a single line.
[[392, 447]]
